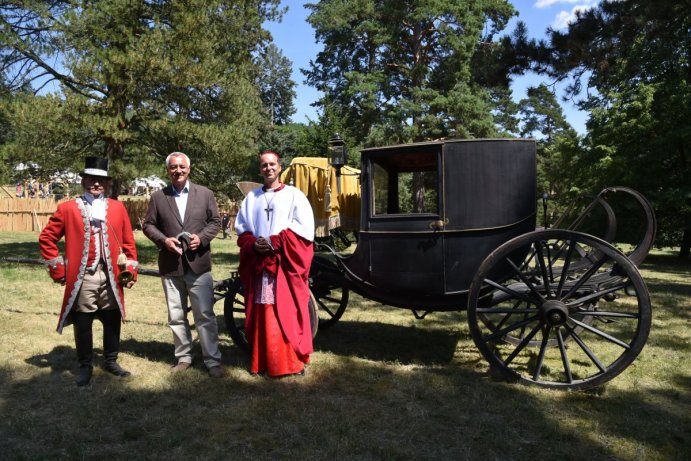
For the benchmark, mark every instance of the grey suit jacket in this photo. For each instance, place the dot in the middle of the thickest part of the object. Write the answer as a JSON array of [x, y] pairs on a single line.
[[163, 220]]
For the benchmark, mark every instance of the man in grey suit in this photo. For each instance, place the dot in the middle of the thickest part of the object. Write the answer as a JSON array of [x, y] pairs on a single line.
[[181, 220]]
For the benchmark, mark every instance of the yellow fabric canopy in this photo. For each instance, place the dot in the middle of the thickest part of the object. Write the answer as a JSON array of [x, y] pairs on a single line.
[[317, 180]]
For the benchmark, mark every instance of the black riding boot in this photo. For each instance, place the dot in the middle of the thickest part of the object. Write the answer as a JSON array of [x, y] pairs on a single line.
[[83, 340], [112, 320]]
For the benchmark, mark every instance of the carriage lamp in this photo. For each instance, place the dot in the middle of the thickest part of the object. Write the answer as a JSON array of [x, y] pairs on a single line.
[[337, 155], [545, 196]]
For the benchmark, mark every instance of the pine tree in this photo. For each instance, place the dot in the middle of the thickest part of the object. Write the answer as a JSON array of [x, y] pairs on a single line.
[[135, 80], [634, 58], [276, 85], [402, 70]]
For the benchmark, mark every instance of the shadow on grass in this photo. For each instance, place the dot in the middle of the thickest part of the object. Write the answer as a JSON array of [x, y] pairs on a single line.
[[387, 342], [63, 358], [21, 250], [356, 408], [667, 263], [622, 406], [659, 286]]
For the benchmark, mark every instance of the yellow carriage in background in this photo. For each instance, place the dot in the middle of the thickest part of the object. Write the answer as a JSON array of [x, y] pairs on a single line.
[[335, 207], [317, 180]]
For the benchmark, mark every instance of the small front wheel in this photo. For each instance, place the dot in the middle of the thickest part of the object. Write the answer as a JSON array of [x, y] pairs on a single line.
[[330, 291], [234, 313]]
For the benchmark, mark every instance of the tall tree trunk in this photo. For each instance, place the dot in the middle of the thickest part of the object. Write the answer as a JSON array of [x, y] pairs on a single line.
[[418, 192], [114, 150], [685, 249]]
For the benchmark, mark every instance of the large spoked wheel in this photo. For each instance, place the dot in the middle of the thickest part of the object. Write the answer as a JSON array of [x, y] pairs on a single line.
[[558, 309], [234, 314], [330, 291]]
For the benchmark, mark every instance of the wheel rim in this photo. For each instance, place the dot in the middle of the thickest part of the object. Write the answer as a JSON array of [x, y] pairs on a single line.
[[329, 290], [581, 328], [234, 314]]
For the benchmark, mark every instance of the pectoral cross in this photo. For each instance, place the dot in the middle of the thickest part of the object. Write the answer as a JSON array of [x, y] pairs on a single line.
[[268, 210]]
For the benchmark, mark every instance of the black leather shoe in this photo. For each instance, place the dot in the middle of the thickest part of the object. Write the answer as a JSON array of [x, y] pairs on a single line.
[[84, 376], [115, 369]]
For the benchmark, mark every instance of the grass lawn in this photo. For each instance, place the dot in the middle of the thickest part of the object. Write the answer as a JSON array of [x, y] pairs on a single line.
[[381, 386]]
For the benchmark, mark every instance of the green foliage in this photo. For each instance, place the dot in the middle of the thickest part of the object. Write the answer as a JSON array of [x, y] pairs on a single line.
[[542, 116], [557, 145], [635, 56], [135, 81], [276, 87], [5, 128], [506, 115], [401, 71]]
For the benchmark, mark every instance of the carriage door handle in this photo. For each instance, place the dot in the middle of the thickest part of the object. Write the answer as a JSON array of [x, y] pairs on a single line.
[[438, 224]]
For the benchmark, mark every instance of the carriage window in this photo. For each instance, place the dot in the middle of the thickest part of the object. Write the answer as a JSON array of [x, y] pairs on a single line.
[[405, 183]]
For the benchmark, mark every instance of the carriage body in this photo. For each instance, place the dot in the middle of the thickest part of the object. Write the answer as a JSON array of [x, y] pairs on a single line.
[[431, 213], [451, 225]]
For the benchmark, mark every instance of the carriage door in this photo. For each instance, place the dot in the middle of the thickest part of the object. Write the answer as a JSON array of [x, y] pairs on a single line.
[[489, 198], [402, 229]]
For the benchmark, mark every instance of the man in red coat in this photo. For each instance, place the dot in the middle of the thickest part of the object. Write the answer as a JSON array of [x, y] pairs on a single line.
[[100, 258], [275, 229]]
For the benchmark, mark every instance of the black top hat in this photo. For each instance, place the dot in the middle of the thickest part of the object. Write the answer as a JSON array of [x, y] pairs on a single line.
[[96, 166]]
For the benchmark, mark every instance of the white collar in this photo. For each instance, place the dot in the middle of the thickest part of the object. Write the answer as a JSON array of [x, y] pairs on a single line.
[[98, 206], [185, 189]]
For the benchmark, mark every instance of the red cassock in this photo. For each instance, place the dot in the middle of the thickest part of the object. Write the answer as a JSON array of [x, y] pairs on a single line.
[[290, 263], [72, 222]]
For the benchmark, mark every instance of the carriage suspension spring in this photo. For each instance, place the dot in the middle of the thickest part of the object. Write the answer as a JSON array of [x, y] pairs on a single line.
[[418, 315]]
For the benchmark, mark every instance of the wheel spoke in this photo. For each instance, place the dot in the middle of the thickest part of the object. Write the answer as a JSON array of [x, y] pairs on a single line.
[[585, 277], [324, 307], [564, 357], [586, 349], [601, 333], [525, 280], [543, 269], [595, 295], [621, 315], [527, 260], [541, 354], [565, 269], [510, 328], [507, 317], [522, 345], [508, 290]]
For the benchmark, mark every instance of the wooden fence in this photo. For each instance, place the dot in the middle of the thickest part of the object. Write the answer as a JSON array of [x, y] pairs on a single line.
[[32, 214], [25, 214]]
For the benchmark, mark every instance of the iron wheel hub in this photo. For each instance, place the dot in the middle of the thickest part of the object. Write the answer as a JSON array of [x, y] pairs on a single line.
[[554, 312]]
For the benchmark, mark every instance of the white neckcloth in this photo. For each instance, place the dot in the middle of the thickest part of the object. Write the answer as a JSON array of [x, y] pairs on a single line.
[[97, 206]]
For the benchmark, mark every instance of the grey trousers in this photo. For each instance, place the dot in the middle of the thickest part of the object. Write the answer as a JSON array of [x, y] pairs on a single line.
[[199, 290]]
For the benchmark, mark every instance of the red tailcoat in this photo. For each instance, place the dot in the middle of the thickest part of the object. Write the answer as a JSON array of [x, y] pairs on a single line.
[[72, 222], [291, 265]]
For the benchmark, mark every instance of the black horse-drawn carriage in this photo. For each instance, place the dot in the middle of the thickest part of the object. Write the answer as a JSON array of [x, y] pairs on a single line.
[[451, 225]]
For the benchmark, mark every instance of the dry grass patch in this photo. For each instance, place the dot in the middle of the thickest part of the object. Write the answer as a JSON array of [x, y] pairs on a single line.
[[381, 386]]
